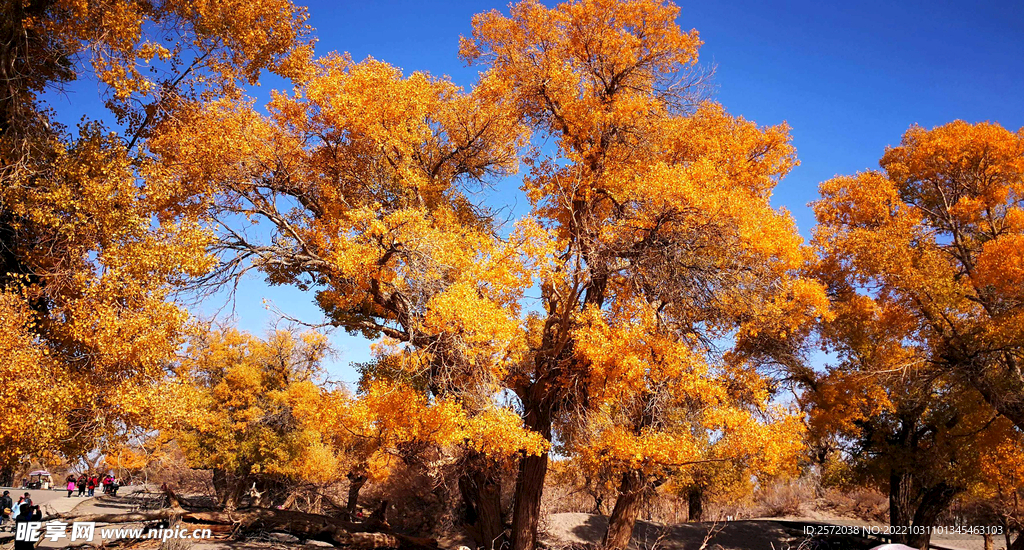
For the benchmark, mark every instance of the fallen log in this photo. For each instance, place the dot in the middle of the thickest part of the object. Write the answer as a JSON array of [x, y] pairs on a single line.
[[300, 524]]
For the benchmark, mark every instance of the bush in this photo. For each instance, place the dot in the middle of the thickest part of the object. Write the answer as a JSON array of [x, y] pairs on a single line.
[[861, 503], [784, 498]]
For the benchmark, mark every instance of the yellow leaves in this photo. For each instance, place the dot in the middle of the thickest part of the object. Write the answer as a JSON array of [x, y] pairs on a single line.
[[1001, 263], [869, 199], [389, 420], [725, 437], [592, 73], [631, 355], [87, 231], [923, 259], [262, 410], [248, 390], [126, 458], [151, 57], [35, 393], [498, 434], [843, 400]]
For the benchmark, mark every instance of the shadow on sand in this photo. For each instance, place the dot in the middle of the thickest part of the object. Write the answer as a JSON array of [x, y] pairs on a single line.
[[587, 530]]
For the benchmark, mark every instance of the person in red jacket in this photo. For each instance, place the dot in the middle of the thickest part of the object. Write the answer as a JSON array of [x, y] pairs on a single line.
[[91, 485]]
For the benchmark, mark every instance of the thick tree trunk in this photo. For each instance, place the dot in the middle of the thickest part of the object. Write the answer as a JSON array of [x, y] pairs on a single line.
[[530, 482], [627, 508], [934, 501], [1018, 543], [230, 487], [481, 494], [900, 500], [695, 502], [907, 507]]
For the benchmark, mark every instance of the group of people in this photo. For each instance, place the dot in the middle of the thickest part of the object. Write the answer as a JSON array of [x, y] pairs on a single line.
[[87, 484], [23, 510]]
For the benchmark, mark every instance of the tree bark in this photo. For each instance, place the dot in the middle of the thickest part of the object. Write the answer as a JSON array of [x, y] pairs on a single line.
[[220, 486], [1018, 543], [900, 500], [6, 476], [481, 494], [695, 502], [910, 506], [356, 480], [625, 512], [933, 502], [530, 482]]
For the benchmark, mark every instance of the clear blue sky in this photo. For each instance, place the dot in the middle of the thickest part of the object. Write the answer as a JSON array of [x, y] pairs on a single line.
[[849, 78]]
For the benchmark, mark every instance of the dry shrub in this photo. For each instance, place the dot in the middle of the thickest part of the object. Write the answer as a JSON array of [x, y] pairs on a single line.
[[784, 498], [417, 502], [567, 489], [861, 503], [723, 510]]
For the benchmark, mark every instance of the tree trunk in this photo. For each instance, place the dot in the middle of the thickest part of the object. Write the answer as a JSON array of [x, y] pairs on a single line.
[[627, 508], [900, 501], [236, 491], [356, 480], [916, 508], [530, 482], [1018, 543], [6, 476], [695, 501], [481, 494], [230, 487], [220, 486]]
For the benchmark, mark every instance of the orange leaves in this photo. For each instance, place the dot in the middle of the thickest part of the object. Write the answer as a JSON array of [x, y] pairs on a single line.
[[632, 356], [934, 242], [391, 420], [922, 262], [842, 401], [35, 394], [985, 160], [1001, 263], [231, 41], [261, 409], [868, 199], [582, 66], [101, 235]]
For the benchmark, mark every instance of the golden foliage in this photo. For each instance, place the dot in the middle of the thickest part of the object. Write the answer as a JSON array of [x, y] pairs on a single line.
[[933, 242]]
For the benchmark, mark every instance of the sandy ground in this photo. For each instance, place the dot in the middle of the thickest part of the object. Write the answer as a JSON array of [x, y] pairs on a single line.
[[576, 531], [754, 534]]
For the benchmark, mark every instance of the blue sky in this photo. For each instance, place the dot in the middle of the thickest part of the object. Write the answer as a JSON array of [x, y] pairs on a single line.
[[849, 78]]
